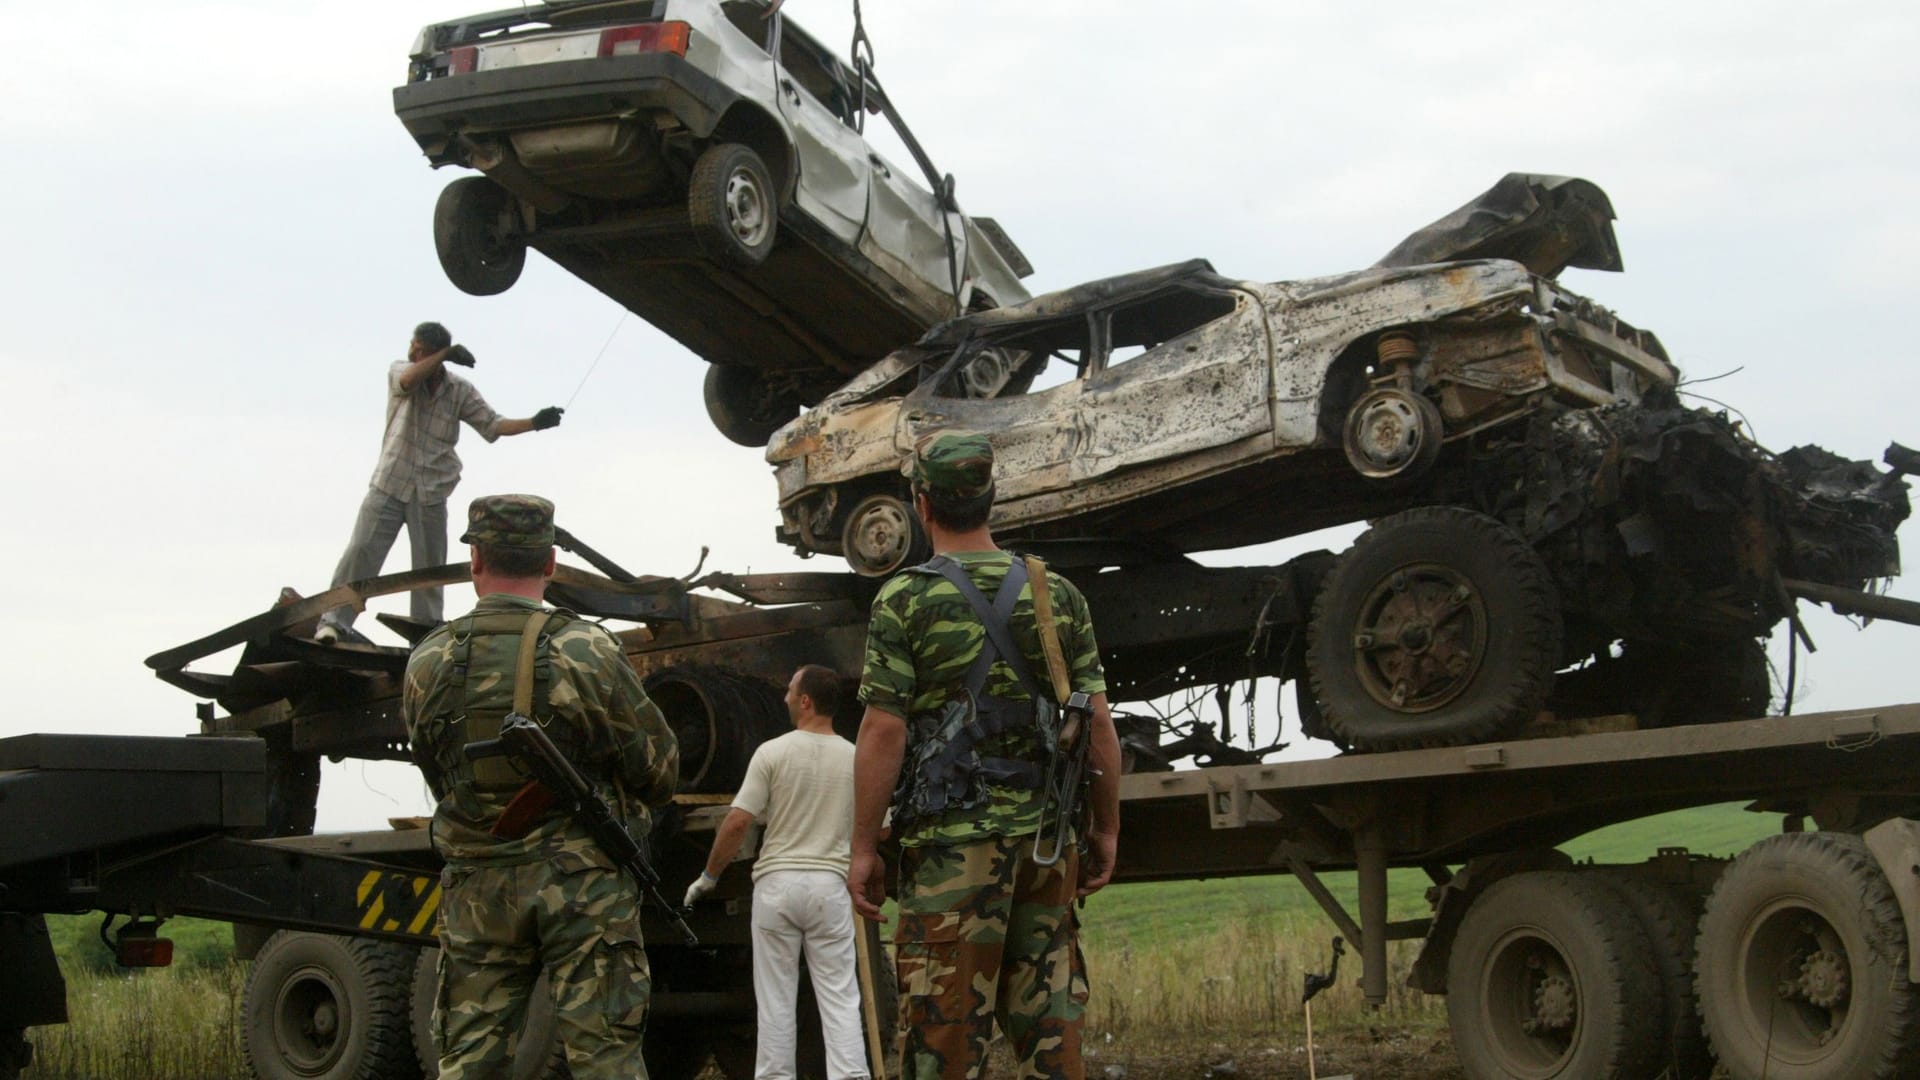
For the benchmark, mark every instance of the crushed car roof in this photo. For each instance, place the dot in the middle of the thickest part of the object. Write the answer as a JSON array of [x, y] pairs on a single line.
[[1545, 223], [1078, 300]]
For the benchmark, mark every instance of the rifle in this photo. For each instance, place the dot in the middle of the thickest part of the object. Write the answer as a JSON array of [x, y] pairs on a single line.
[[1066, 767], [527, 743]]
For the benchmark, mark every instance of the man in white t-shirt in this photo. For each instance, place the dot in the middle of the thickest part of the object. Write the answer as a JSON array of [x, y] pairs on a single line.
[[800, 787]]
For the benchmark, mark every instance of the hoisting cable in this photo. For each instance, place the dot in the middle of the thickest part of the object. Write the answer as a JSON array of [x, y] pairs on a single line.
[[863, 70], [596, 359]]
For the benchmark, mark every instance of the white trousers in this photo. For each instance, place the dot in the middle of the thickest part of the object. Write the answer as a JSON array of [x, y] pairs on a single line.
[[795, 910]]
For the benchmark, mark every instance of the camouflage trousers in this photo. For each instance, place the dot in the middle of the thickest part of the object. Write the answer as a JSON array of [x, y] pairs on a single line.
[[574, 916], [986, 935]]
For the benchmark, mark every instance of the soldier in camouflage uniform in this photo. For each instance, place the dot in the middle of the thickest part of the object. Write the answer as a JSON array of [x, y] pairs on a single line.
[[985, 933], [534, 892]]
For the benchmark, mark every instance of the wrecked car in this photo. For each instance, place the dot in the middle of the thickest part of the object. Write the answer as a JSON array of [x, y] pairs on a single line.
[[1540, 502], [1192, 410], [704, 164]]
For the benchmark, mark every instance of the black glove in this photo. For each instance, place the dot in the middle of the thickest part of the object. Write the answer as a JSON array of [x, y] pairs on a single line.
[[458, 354], [547, 417]]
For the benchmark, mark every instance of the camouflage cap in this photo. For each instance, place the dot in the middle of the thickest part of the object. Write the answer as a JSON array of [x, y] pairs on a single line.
[[510, 521], [957, 464]]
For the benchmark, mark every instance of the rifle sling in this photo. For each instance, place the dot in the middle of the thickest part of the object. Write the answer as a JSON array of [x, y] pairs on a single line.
[[1048, 629], [523, 670]]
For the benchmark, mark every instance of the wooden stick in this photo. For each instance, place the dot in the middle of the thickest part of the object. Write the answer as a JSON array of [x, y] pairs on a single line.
[[869, 1015], [1311, 1073]]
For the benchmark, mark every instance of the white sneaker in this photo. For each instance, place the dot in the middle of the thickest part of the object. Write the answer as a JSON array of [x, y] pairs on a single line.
[[326, 633]]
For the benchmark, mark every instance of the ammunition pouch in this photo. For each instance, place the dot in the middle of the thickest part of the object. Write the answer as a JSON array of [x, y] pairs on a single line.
[[472, 718]]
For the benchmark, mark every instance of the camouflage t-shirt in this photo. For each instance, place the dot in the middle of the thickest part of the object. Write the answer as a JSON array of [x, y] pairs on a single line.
[[921, 640], [617, 737]]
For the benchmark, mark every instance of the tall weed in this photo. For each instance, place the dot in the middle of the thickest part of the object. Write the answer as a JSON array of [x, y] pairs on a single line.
[[151, 1024]]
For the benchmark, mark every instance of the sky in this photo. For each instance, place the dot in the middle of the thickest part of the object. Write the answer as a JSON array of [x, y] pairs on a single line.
[[218, 239]]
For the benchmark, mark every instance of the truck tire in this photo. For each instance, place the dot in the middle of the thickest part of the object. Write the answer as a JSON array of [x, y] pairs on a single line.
[[541, 1055], [1668, 916], [325, 1007], [743, 407], [1549, 977], [1440, 626], [1802, 963], [472, 233], [733, 205]]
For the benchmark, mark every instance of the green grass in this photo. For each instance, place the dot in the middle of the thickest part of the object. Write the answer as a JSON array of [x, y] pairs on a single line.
[[1151, 914], [197, 943]]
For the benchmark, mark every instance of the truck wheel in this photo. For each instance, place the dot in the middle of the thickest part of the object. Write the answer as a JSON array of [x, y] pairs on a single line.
[[325, 1007], [1667, 915], [1439, 626], [541, 1055], [741, 404], [733, 204], [476, 236], [1549, 976], [882, 535], [1802, 965]]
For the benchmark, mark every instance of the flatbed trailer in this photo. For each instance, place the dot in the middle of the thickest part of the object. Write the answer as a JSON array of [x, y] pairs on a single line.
[[1531, 997]]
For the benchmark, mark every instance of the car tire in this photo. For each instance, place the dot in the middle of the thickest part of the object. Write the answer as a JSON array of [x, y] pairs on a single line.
[[480, 249], [1440, 626], [882, 535], [1801, 964], [733, 205], [1393, 435], [743, 406], [1547, 978]]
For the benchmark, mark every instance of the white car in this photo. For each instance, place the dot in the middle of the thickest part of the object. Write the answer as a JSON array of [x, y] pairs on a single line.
[[702, 162]]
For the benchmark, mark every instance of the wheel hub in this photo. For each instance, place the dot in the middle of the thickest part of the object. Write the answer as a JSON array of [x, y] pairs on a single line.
[[306, 1023], [746, 208], [1392, 432], [1424, 638], [1553, 1006], [878, 536], [1822, 982]]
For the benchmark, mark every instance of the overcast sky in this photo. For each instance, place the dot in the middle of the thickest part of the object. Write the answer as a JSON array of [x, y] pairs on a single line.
[[219, 239]]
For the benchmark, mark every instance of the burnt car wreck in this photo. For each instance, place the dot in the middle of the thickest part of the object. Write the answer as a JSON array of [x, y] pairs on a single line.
[[1552, 534]]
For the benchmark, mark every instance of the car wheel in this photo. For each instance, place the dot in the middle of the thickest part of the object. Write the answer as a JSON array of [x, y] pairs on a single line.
[[475, 234], [733, 204], [1802, 963], [1393, 434], [1438, 627], [1548, 977], [745, 408], [882, 535]]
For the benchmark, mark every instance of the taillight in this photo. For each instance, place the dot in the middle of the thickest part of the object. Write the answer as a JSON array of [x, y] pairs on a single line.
[[460, 61], [644, 38]]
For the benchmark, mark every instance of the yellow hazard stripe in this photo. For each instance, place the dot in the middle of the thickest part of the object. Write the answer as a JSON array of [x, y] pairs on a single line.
[[427, 910], [370, 898]]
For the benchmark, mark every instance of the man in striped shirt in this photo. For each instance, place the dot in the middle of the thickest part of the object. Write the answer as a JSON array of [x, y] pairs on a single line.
[[418, 468]]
